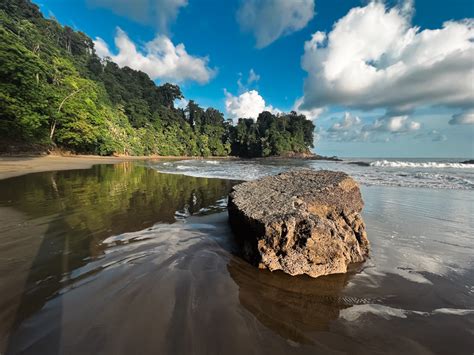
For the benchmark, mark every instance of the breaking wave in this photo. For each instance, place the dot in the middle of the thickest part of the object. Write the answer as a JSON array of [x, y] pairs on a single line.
[[428, 165], [417, 174]]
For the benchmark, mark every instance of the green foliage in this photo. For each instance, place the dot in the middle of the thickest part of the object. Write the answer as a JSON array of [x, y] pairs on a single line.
[[54, 90], [272, 135]]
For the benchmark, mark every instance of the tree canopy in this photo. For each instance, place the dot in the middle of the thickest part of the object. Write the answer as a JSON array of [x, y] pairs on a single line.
[[55, 91]]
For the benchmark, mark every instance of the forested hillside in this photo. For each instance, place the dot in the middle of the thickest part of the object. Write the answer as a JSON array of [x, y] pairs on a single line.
[[55, 92]]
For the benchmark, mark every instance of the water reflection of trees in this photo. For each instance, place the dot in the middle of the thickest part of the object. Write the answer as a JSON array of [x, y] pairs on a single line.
[[83, 207]]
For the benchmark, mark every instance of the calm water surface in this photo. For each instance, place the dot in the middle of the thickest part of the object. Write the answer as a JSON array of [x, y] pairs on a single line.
[[124, 260]]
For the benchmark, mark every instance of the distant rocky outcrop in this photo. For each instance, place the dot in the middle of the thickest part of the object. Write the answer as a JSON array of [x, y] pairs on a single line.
[[468, 161], [301, 156], [300, 222], [359, 163]]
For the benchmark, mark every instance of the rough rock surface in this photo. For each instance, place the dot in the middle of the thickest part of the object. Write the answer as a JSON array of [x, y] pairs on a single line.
[[301, 222]]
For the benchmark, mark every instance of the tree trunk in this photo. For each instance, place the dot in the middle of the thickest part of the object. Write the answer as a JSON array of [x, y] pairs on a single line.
[[51, 132], [53, 125]]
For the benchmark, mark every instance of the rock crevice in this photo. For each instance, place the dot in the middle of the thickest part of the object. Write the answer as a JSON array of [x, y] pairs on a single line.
[[300, 222]]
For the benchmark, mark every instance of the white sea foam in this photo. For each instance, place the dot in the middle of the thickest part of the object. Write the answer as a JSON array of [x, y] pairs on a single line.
[[442, 175], [355, 312], [428, 165], [185, 167], [453, 311]]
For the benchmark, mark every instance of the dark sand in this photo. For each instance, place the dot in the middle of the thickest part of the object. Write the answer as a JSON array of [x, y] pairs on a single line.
[[120, 259]]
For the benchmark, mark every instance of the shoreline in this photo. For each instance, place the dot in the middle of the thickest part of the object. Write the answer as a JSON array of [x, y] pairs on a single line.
[[17, 165], [22, 164]]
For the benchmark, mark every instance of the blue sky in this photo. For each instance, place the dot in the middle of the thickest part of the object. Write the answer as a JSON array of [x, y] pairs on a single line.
[[397, 75]]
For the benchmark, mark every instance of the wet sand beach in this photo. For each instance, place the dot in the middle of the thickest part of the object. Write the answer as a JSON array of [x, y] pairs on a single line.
[[11, 166], [120, 259]]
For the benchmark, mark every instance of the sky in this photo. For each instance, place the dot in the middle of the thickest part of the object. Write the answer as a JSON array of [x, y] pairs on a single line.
[[378, 78]]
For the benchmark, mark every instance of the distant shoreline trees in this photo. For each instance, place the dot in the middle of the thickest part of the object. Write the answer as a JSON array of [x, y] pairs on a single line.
[[55, 91], [272, 135]]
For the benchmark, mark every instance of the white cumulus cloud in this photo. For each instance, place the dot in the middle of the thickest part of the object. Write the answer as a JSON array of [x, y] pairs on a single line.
[[346, 129], [158, 13], [433, 135], [252, 79], [374, 58], [466, 117], [310, 114], [393, 124], [382, 129], [348, 122], [159, 58], [268, 20], [101, 48], [246, 105]]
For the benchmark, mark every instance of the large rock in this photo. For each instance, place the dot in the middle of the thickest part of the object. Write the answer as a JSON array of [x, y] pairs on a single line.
[[301, 222]]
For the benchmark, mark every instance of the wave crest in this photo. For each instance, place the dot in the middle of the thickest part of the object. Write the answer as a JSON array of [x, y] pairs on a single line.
[[428, 165]]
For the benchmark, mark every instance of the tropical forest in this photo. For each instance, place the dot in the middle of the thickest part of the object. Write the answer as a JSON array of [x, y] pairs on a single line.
[[56, 93]]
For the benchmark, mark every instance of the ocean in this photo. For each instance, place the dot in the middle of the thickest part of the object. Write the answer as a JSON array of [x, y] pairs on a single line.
[[424, 173]]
